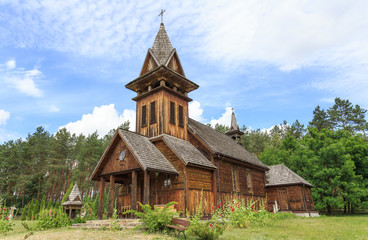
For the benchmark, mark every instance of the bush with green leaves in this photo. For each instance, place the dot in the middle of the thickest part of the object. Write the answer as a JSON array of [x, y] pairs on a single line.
[[207, 229], [52, 218], [243, 215], [154, 220], [6, 225], [89, 212], [115, 226]]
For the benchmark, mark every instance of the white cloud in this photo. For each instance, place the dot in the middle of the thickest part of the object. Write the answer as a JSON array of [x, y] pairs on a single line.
[[10, 64], [20, 79], [195, 111], [4, 116], [286, 33], [102, 119], [225, 118], [54, 108]]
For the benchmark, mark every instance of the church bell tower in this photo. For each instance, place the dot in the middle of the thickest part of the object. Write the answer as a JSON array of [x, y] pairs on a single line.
[[162, 91]]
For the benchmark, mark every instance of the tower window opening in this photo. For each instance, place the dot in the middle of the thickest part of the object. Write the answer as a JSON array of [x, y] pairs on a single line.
[[157, 84], [181, 116], [153, 112], [144, 115], [172, 112]]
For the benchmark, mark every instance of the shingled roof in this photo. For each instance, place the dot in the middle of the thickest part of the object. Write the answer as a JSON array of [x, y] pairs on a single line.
[[146, 153], [282, 175], [162, 47], [185, 151], [74, 197], [222, 144]]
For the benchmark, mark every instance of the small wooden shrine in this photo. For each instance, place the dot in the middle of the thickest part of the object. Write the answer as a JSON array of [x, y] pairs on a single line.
[[73, 203]]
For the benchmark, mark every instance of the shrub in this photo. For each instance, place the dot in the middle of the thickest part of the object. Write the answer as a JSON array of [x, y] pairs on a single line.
[[6, 224], [115, 226], [239, 214], [207, 230], [89, 213], [30, 210], [53, 218], [154, 220], [79, 220]]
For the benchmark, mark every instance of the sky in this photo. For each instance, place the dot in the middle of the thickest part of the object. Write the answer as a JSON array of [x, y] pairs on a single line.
[[65, 63]]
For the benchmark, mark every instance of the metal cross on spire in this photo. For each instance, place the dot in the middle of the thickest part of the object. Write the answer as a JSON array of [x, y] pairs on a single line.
[[162, 15]]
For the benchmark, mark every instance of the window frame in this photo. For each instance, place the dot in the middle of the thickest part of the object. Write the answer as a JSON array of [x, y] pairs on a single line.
[[235, 178], [153, 118], [144, 116], [180, 116], [172, 113]]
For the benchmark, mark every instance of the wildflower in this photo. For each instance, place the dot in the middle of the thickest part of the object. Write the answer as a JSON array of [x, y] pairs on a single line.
[[7, 218], [233, 209], [211, 225], [251, 207], [3, 209], [53, 215], [225, 200]]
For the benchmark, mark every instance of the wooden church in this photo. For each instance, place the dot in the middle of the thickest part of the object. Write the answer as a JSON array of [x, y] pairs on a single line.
[[171, 157]]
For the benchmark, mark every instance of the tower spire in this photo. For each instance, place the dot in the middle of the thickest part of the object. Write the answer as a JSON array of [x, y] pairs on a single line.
[[234, 131]]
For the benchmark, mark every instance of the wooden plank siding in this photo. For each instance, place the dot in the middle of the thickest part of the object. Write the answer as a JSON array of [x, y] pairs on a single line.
[[294, 198], [200, 146], [177, 182], [111, 163], [162, 124]]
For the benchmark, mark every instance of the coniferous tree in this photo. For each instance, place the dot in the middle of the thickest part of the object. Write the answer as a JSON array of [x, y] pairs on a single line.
[[24, 213], [36, 209], [43, 203], [30, 210], [320, 119], [49, 204], [343, 115]]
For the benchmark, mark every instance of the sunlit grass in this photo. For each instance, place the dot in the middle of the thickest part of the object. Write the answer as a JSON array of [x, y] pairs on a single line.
[[347, 227], [344, 227]]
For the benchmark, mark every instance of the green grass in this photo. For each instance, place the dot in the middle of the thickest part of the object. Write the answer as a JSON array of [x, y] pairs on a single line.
[[342, 227]]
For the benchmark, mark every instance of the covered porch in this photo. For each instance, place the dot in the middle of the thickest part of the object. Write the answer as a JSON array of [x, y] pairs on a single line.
[[130, 187]]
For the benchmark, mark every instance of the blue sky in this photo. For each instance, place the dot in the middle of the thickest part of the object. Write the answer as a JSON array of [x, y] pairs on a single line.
[[65, 63]]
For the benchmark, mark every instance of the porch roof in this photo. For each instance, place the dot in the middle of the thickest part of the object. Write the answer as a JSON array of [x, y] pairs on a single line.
[[146, 153], [185, 151]]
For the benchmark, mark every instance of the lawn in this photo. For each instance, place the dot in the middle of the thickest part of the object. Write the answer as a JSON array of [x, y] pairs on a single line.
[[344, 227]]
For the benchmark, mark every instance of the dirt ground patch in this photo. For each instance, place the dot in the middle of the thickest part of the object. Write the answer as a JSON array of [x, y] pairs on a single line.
[[57, 234]]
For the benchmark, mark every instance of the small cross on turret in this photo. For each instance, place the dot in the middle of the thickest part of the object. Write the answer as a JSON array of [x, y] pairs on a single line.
[[162, 15]]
